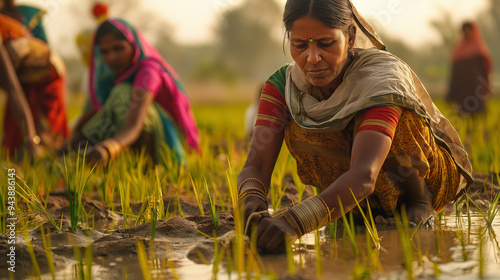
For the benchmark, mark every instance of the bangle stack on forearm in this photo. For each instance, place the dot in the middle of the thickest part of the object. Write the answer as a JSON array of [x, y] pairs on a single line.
[[308, 215], [112, 146], [260, 192]]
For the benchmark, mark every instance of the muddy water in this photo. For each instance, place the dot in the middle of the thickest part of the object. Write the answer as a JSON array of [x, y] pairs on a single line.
[[456, 249], [451, 251]]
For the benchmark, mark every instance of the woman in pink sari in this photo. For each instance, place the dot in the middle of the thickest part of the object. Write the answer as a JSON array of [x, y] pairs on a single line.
[[136, 99]]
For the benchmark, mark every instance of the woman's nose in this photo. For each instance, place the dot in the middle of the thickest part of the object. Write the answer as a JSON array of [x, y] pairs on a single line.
[[314, 55]]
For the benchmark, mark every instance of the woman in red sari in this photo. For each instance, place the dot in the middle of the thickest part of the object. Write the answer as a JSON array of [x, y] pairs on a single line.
[[41, 74], [470, 85]]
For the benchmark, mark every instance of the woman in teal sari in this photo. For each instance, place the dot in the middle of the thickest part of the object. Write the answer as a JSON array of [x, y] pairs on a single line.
[[29, 16]]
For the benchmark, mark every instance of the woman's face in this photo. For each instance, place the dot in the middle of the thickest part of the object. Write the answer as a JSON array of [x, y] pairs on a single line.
[[118, 54], [320, 52]]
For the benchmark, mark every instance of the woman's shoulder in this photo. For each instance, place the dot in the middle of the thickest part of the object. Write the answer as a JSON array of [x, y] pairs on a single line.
[[381, 63], [278, 78], [375, 56]]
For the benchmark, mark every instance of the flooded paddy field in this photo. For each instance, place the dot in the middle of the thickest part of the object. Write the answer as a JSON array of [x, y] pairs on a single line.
[[463, 245], [134, 220]]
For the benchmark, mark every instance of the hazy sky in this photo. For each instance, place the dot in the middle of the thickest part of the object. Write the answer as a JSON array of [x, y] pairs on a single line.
[[193, 20]]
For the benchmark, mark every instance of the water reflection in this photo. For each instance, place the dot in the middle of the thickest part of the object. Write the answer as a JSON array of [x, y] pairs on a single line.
[[453, 250]]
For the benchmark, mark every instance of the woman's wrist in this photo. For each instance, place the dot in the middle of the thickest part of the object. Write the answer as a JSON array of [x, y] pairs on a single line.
[[33, 140], [252, 187], [252, 183], [112, 146], [308, 215]]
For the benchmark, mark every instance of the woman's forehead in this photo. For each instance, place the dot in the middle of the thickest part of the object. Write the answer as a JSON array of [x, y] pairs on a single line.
[[110, 39], [311, 27]]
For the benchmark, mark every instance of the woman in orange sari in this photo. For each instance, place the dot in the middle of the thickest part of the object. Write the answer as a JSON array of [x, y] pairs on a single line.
[[470, 85], [40, 73], [359, 124]]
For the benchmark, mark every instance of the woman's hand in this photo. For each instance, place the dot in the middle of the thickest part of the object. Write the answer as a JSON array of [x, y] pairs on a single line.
[[253, 204], [271, 234], [97, 154]]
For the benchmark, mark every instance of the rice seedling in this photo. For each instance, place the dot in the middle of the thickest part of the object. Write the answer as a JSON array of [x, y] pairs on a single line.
[[152, 207], [126, 211], [171, 263], [369, 223], [403, 228], [158, 208], [218, 253], [76, 182], [348, 230], [31, 252], [89, 259], [213, 211], [34, 204], [481, 257], [276, 190], [197, 195], [48, 251], [143, 260], [317, 254], [82, 270], [289, 256], [332, 229], [462, 243], [493, 209], [3, 201], [238, 246], [360, 272]]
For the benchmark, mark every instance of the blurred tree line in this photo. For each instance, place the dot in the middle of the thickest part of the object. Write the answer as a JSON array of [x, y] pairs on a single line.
[[249, 44], [246, 46]]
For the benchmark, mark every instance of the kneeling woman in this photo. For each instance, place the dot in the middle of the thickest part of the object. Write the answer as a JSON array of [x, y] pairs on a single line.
[[357, 121], [136, 99]]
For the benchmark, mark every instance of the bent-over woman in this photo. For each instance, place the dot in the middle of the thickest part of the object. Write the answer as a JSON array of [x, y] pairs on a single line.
[[136, 99], [38, 74], [356, 119]]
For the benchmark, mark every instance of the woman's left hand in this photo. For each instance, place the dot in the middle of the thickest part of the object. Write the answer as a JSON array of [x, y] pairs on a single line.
[[97, 154], [271, 234]]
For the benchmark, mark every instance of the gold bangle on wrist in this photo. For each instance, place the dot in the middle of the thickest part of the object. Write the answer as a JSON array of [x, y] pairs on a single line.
[[35, 140], [308, 215], [254, 179], [112, 146], [253, 191]]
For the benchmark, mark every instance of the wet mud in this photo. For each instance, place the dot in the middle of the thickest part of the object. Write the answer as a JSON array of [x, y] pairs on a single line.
[[188, 237]]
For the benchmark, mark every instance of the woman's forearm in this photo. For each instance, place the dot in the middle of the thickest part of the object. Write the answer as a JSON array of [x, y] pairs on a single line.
[[17, 99], [361, 187], [129, 134], [262, 155], [140, 102]]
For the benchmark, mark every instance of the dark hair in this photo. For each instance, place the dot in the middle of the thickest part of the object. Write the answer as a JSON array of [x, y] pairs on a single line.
[[333, 13], [107, 28], [466, 26]]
